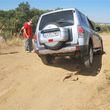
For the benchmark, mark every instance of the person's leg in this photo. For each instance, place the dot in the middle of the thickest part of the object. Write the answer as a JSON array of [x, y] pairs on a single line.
[[30, 45], [26, 44]]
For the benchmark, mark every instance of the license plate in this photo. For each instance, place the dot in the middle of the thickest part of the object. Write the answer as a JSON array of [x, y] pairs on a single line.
[[52, 34]]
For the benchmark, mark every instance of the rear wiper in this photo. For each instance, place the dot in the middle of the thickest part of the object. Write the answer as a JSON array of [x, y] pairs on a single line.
[[64, 21]]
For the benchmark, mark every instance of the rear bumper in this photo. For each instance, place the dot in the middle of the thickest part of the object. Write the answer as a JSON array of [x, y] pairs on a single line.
[[65, 50]]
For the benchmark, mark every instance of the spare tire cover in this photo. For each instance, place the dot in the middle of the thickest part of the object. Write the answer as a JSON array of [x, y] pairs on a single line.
[[53, 45]]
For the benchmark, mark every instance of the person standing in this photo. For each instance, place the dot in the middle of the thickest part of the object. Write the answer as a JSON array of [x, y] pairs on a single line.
[[27, 31]]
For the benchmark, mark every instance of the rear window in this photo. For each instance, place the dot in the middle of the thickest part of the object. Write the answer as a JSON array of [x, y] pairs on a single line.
[[63, 18]]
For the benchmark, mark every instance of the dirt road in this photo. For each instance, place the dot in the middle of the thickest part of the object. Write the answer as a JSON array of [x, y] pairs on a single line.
[[27, 84]]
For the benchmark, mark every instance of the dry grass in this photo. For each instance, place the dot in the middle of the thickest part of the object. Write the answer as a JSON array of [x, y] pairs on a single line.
[[105, 34], [3, 45], [14, 41]]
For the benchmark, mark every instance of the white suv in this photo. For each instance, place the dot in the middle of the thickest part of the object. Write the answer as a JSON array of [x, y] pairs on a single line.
[[67, 32]]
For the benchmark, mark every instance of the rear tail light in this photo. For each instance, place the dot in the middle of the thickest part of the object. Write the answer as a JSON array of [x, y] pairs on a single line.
[[81, 31]]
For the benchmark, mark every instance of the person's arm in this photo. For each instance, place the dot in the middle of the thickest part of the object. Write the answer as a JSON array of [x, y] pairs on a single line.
[[26, 33], [21, 29]]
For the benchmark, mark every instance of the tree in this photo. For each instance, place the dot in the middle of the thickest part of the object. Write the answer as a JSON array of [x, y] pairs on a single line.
[[23, 7], [11, 21]]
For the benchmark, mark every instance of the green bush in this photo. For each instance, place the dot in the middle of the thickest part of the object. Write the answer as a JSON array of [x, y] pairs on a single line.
[[104, 27], [6, 35], [11, 21]]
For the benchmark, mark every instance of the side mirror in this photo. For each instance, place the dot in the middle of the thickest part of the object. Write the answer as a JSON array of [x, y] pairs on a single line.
[[97, 29]]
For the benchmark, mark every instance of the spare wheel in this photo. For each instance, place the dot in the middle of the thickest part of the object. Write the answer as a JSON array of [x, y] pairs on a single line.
[[53, 35]]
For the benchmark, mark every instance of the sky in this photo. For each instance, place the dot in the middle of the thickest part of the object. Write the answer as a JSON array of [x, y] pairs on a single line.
[[96, 10]]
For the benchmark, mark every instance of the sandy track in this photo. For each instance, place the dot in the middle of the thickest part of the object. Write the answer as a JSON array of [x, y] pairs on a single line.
[[27, 84]]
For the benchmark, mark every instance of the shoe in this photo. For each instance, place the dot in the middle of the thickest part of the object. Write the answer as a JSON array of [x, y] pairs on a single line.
[[27, 51], [33, 51]]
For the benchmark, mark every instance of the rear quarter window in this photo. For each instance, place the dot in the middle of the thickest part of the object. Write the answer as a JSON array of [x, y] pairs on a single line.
[[83, 20]]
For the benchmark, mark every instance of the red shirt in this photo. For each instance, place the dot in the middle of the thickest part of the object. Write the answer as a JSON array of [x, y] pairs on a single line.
[[28, 29]]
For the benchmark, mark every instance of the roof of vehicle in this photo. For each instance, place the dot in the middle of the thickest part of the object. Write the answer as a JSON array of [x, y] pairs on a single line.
[[54, 11]]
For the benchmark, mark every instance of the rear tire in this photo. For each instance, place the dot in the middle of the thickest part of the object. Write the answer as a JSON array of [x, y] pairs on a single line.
[[47, 59], [101, 51], [88, 60]]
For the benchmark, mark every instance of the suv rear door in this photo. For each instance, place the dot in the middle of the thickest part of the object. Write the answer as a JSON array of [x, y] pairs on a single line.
[[64, 18]]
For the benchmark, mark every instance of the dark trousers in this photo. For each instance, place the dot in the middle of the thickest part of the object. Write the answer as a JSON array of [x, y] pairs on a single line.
[[28, 44]]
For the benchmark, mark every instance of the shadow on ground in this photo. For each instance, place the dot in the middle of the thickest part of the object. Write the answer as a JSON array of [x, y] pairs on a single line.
[[5, 53], [75, 65]]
